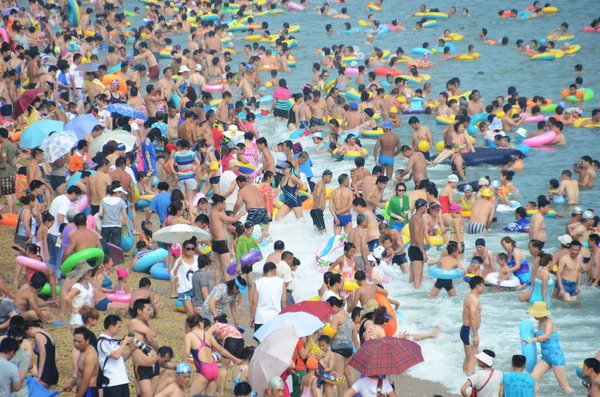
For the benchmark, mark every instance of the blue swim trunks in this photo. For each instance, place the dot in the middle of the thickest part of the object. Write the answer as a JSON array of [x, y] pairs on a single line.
[[103, 305], [570, 287], [344, 219], [386, 161]]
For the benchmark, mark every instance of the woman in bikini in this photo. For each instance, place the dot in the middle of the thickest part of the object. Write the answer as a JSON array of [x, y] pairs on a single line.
[[434, 225], [346, 263]]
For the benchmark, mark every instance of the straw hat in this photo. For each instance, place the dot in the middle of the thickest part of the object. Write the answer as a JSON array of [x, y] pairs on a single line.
[[539, 310], [80, 270]]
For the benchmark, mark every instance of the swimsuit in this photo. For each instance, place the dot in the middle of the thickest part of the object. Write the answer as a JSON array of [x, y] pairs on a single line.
[[360, 263], [399, 259], [102, 305], [344, 219], [50, 374], [290, 198], [421, 184], [466, 335], [386, 161], [258, 216], [523, 274], [146, 372], [415, 253], [373, 244], [444, 284], [210, 371], [220, 247], [475, 228], [551, 350], [342, 341], [570, 287]]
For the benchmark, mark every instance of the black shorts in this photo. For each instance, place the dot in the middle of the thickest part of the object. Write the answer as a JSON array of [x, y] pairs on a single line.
[[214, 180], [444, 284], [56, 181], [415, 254], [246, 269], [117, 391], [258, 216], [284, 114], [399, 259], [94, 209], [220, 247], [234, 345], [345, 352], [109, 6], [146, 373]]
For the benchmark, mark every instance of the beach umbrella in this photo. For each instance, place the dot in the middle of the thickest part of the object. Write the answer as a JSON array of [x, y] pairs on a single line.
[[24, 101], [386, 356], [82, 125], [121, 136], [177, 234], [87, 67], [35, 134], [304, 324], [126, 110], [6, 12], [271, 357], [116, 254], [321, 310], [58, 144]]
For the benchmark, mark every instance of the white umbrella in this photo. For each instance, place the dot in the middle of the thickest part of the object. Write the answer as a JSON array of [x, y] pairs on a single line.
[[271, 357], [121, 136], [177, 234], [304, 324], [58, 144]]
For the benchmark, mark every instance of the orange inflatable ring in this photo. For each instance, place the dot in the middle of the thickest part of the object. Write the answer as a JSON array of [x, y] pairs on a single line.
[[108, 79], [9, 219], [392, 325]]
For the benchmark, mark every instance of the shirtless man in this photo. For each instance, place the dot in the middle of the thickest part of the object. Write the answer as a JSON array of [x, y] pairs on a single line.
[[318, 108], [416, 250], [482, 213], [275, 256], [358, 237], [361, 207], [568, 276], [570, 187], [475, 103], [448, 262], [183, 374], [586, 172], [386, 148], [537, 227], [145, 363], [145, 53], [366, 184], [29, 305], [249, 195], [143, 292], [98, 183], [152, 99], [172, 123], [354, 118], [166, 85], [417, 164], [218, 231], [419, 133], [399, 257], [88, 365], [187, 129], [374, 197], [365, 293], [594, 264], [34, 172], [268, 163], [340, 203], [319, 201], [469, 332]]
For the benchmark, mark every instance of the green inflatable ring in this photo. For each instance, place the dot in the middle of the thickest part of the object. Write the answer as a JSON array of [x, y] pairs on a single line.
[[45, 291], [84, 255]]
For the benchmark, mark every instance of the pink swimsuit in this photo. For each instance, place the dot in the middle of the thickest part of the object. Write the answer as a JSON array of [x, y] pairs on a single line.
[[208, 370]]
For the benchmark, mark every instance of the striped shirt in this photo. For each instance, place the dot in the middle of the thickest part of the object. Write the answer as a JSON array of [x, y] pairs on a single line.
[[185, 164]]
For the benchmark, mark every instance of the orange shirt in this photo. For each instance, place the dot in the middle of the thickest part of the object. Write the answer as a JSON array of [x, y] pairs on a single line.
[[298, 361], [76, 162]]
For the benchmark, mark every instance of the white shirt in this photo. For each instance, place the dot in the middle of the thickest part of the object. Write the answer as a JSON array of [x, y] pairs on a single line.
[[328, 294], [227, 178], [184, 274], [367, 387], [270, 290], [479, 378], [284, 271], [60, 205], [78, 76], [115, 370]]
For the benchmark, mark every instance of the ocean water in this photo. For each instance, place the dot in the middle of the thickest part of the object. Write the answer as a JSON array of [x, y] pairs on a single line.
[[501, 67]]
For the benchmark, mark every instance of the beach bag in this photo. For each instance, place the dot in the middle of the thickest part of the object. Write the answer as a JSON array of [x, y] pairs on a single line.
[[474, 391]]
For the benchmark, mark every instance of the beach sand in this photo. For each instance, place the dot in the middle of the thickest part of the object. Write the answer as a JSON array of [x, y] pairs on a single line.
[[169, 327]]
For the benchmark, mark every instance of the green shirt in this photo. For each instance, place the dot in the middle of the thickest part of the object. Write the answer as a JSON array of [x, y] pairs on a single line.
[[9, 150]]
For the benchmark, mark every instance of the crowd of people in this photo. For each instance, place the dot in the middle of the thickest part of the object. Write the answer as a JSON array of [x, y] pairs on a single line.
[[182, 146]]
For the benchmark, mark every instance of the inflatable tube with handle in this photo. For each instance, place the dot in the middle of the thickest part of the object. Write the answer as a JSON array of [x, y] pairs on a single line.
[[526, 331]]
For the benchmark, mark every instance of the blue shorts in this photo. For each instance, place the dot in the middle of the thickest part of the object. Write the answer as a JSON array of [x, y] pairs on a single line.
[[570, 287], [344, 219], [102, 305], [303, 124], [373, 244], [466, 335], [185, 296], [386, 161]]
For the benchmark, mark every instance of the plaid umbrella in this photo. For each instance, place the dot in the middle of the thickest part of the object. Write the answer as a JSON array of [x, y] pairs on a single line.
[[386, 356], [24, 101], [126, 110], [321, 310]]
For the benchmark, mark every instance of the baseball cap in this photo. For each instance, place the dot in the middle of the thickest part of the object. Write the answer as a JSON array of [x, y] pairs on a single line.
[[587, 215], [483, 182], [420, 203], [353, 106], [183, 369], [487, 192], [387, 125], [577, 210], [453, 178], [565, 240], [455, 208], [480, 241], [327, 172]]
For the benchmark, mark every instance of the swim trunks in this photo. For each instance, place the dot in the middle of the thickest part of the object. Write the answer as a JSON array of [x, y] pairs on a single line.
[[214, 180], [91, 391], [386, 161], [444, 284], [373, 244], [258, 216], [146, 373], [153, 72], [220, 247], [475, 228], [102, 305], [570, 287], [399, 259], [421, 184], [317, 121], [344, 220], [466, 335], [415, 254]]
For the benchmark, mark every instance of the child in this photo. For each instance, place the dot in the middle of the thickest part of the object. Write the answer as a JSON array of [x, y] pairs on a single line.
[[393, 117], [475, 268], [32, 251], [142, 249], [446, 263], [274, 79], [122, 287], [326, 363], [240, 372], [554, 191], [310, 380], [356, 322], [504, 269]]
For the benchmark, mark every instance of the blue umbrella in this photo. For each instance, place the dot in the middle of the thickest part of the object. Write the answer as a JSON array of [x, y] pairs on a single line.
[[87, 67], [35, 135], [126, 110], [82, 125]]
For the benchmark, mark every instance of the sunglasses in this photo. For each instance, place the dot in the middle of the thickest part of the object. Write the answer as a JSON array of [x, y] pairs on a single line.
[[190, 248], [401, 190]]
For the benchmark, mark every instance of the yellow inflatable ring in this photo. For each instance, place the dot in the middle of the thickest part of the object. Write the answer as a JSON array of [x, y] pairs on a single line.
[[327, 330]]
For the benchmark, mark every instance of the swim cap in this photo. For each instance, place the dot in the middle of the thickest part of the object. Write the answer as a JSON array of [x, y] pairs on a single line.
[[394, 110], [468, 187], [354, 106], [480, 241], [483, 182], [455, 208], [486, 192], [183, 369]]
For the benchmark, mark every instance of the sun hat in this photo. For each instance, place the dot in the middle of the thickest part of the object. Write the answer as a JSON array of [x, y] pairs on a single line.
[[485, 358], [80, 270], [539, 310]]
